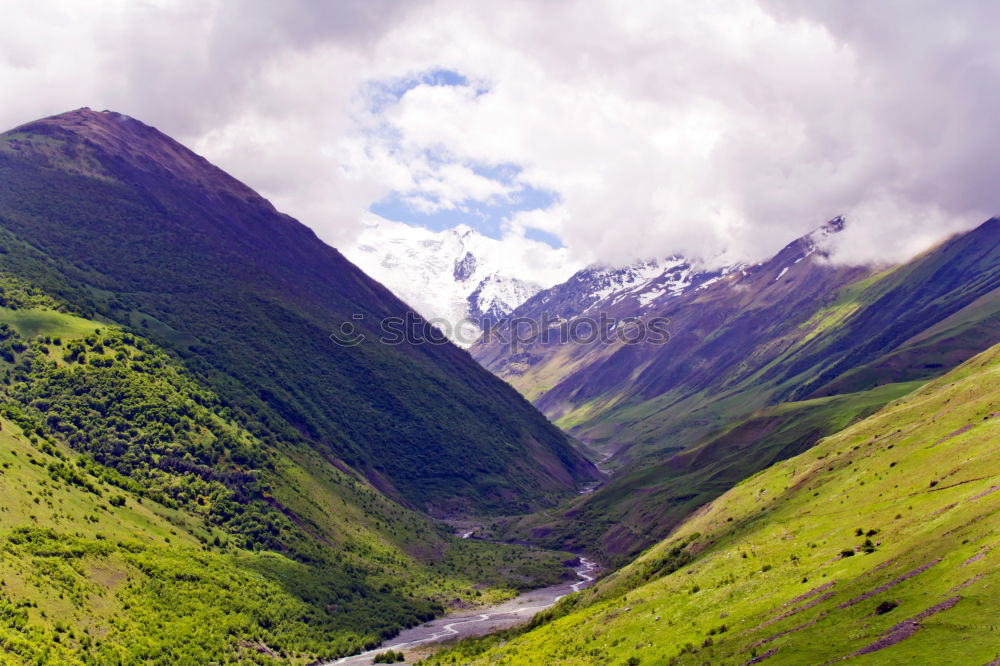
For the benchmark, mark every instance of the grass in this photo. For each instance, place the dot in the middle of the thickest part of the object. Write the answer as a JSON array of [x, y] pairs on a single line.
[[34, 322], [95, 581], [802, 563]]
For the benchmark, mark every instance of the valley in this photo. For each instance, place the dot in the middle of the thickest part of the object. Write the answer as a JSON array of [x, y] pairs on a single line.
[[577, 333], [85, 541], [197, 466]]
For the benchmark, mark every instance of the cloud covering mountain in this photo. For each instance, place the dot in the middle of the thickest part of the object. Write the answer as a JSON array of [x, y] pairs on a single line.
[[710, 130]]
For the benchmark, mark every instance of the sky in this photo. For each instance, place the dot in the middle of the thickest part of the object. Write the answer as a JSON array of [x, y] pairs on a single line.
[[620, 129]]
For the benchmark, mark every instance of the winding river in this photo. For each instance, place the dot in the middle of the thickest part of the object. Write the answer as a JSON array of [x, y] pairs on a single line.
[[502, 616]]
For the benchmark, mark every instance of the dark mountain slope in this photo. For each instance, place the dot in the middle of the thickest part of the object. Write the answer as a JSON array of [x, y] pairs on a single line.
[[943, 345], [904, 304], [639, 398], [780, 330], [131, 226]]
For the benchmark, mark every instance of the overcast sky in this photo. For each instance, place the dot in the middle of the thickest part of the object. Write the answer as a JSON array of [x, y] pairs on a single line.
[[623, 128]]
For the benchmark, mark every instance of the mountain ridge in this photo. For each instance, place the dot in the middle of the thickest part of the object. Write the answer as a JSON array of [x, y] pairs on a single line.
[[142, 147]]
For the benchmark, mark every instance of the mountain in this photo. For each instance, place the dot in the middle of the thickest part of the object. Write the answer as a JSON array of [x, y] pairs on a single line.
[[877, 545], [714, 319], [590, 294], [139, 230], [459, 278], [761, 362], [191, 469]]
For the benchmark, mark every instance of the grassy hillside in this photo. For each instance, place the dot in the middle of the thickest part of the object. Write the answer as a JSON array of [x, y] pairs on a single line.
[[142, 522], [879, 544]]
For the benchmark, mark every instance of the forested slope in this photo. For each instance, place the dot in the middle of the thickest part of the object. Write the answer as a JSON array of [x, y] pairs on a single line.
[[143, 523]]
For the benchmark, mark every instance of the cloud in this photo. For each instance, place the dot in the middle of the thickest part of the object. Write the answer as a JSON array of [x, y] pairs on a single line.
[[717, 129]]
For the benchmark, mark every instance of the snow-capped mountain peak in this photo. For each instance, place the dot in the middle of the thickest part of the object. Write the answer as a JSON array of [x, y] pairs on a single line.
[[497, 295], [459, 278], [645, 283]]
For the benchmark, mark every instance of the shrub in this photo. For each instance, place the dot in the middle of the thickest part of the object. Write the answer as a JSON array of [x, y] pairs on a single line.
[[885, 606]]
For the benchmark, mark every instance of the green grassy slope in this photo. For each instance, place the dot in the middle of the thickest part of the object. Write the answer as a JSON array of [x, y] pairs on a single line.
[[36, 322], [94, 574], [142, 522], [880, 544]]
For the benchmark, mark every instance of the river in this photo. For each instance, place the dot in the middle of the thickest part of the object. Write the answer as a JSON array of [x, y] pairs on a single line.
[[484, 621]]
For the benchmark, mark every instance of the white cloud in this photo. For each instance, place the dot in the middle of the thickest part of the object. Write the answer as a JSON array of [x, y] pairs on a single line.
[[718, 129]]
